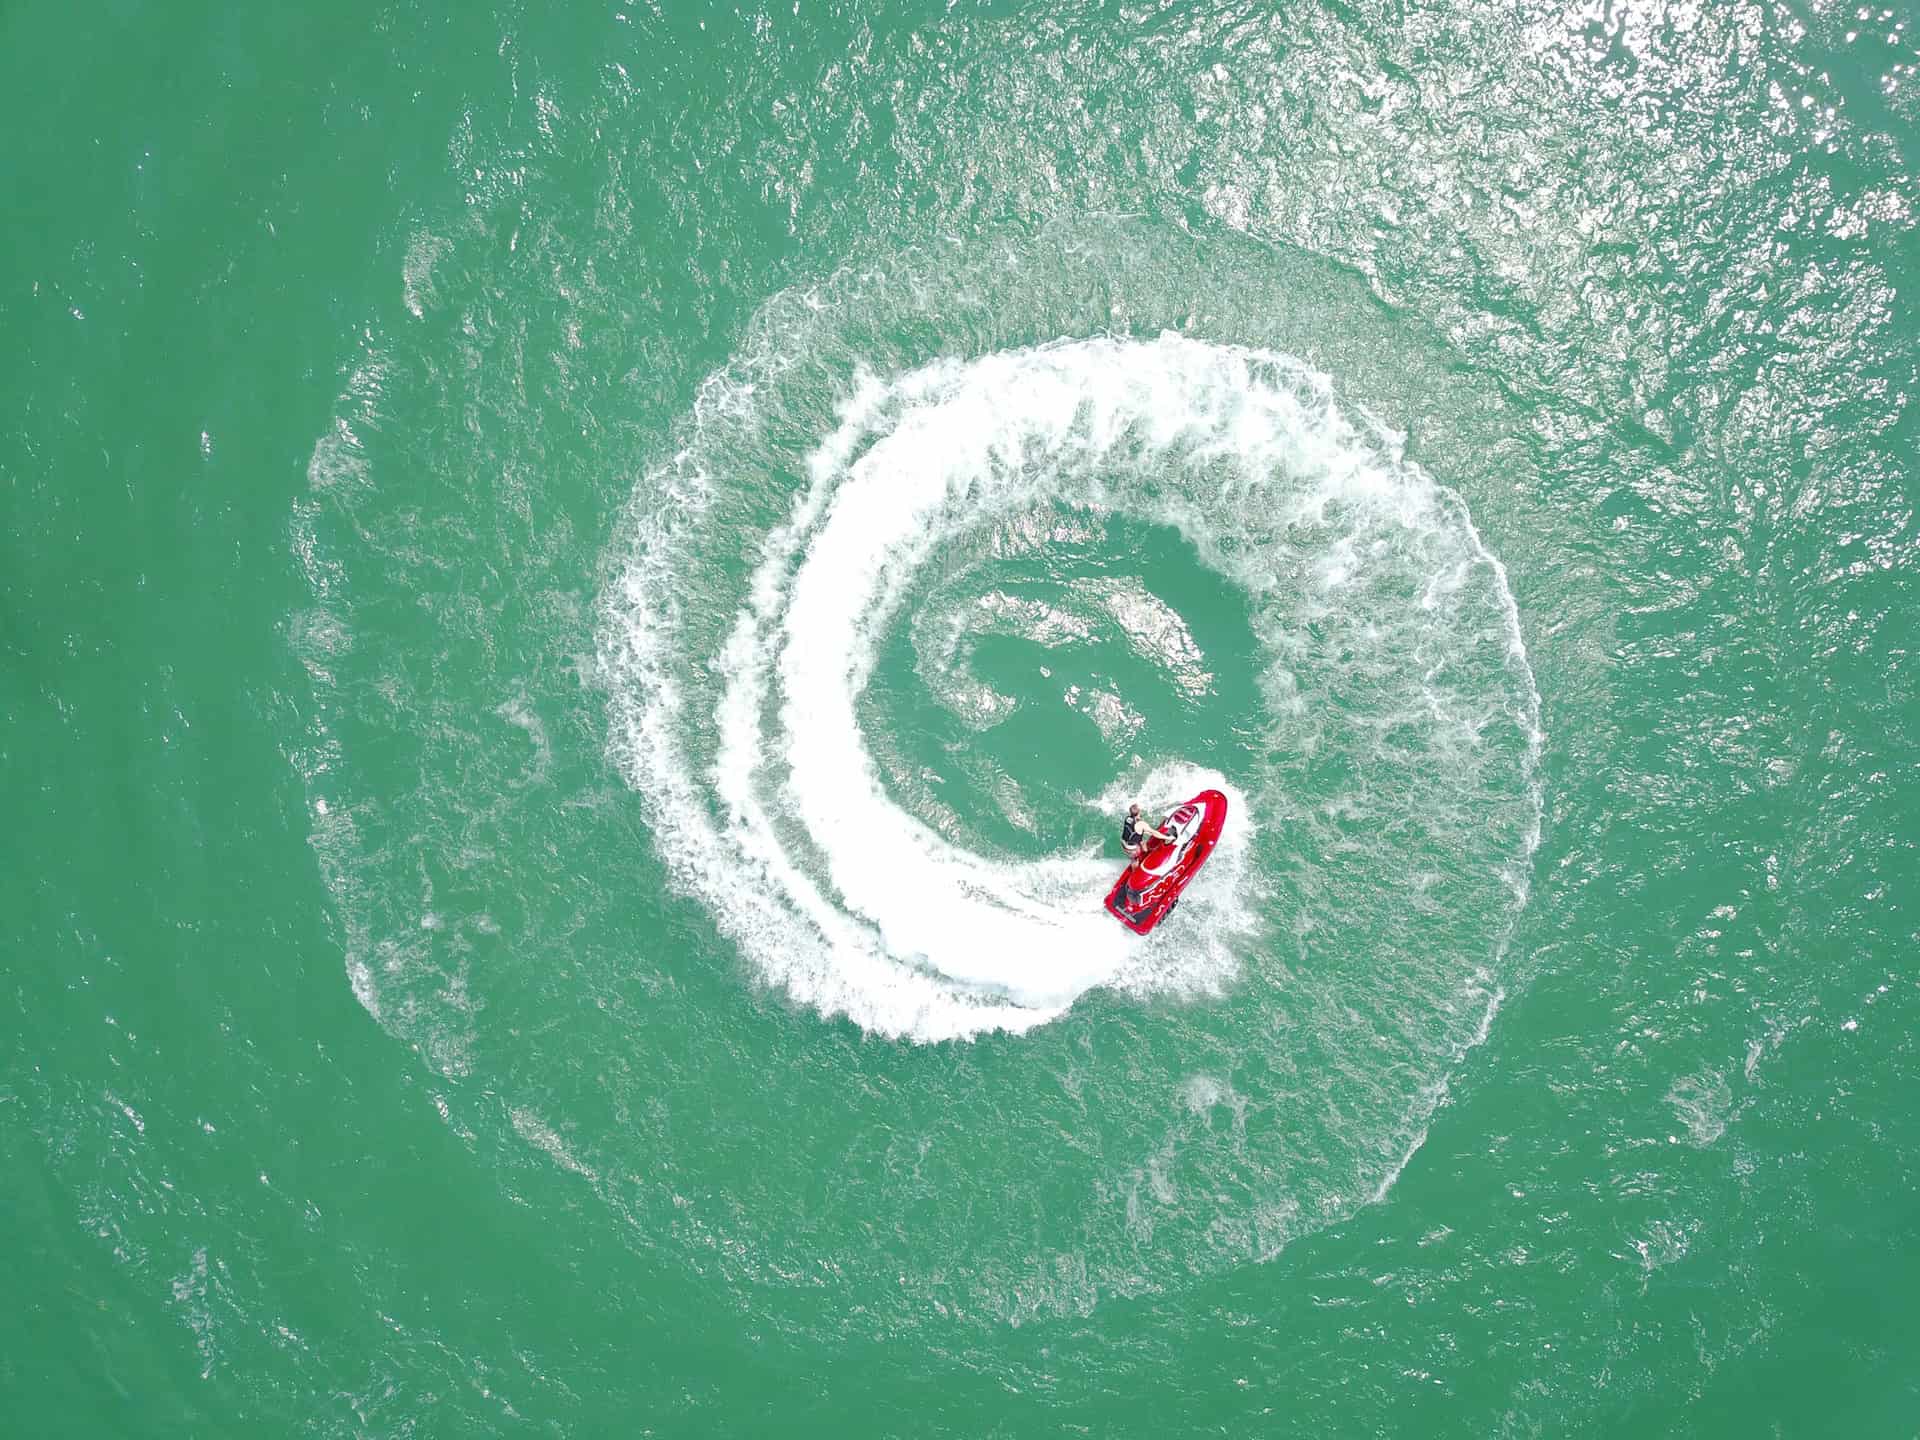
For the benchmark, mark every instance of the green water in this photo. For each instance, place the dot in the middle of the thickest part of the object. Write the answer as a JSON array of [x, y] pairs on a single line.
[[582, 590]]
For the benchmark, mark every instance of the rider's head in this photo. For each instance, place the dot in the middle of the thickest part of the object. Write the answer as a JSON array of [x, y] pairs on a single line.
[[1133, 810]]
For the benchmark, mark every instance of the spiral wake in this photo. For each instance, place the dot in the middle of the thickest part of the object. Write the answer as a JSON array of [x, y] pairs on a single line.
[[1380, 628]]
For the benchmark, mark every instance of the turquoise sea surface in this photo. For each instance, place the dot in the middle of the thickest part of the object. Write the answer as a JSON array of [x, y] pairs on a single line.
[[582, 590]]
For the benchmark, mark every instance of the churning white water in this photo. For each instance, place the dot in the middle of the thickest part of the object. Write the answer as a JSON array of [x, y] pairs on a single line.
[[737, 648]]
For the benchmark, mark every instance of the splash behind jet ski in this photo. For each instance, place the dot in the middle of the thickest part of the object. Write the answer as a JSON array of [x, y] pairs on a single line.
[[1150, 887]]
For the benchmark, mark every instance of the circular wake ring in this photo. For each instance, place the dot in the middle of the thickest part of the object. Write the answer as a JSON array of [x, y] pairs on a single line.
[[737, 701]]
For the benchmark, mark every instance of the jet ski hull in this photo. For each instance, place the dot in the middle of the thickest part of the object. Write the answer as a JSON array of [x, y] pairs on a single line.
[[1150, 887]]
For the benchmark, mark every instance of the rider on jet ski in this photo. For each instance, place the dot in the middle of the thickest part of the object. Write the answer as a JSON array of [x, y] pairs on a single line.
[[1134, 833]]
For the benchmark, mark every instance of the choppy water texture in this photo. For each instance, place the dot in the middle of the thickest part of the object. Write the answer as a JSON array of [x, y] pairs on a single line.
[[583, 593]]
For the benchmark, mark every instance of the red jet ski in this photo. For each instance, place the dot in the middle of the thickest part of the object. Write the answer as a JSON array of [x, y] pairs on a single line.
[[1150, 887]]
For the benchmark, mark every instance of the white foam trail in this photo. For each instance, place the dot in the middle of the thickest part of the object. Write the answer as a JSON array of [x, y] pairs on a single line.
[[833, 890]]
